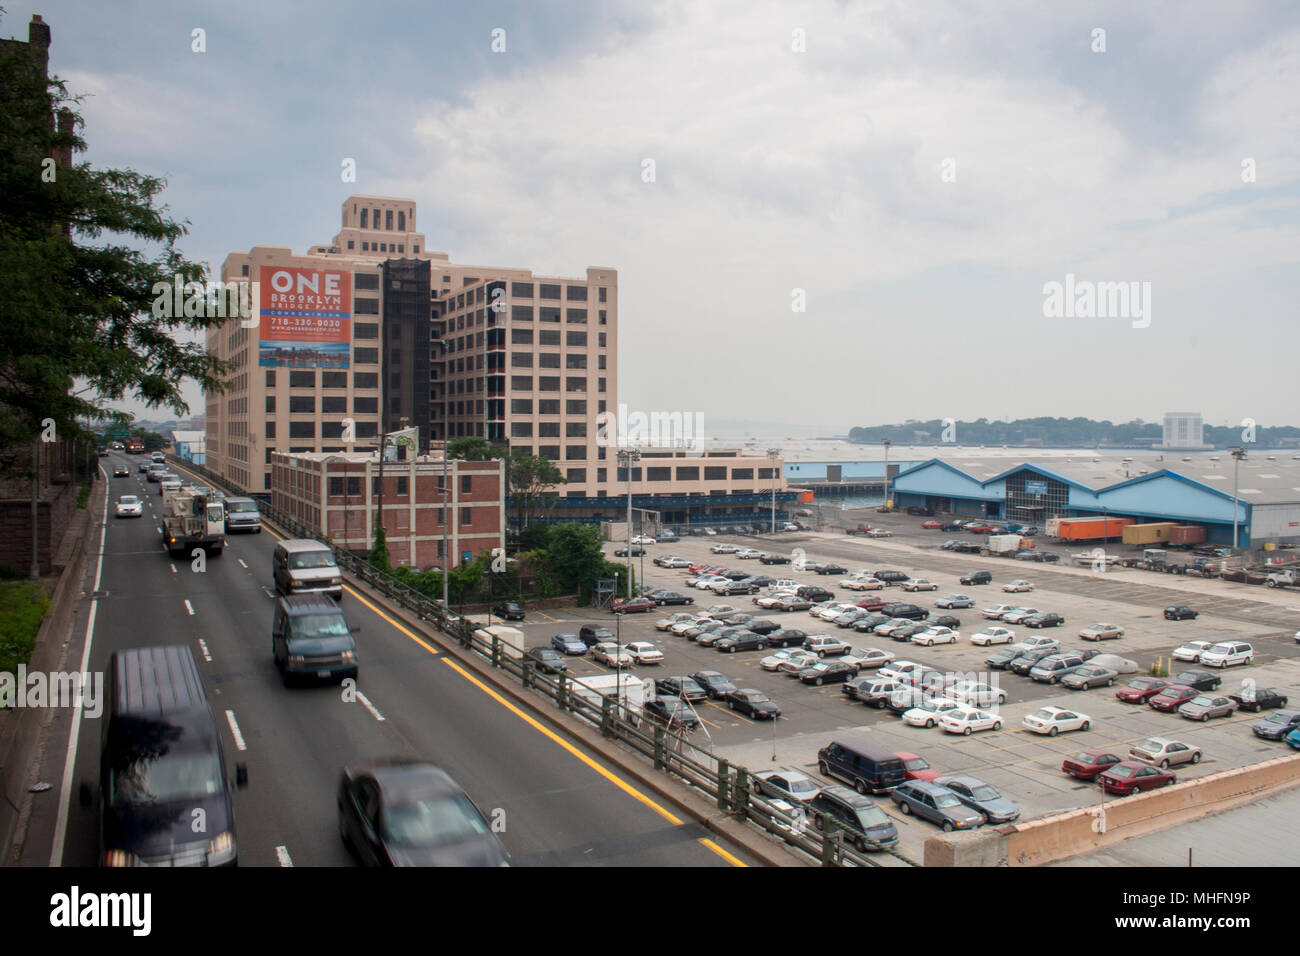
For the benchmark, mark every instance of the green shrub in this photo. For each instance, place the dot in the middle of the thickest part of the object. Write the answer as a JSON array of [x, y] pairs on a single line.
[[22, 608]]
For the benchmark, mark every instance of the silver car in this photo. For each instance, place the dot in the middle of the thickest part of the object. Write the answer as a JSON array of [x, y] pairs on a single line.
[[1204, 706], [1088, 676]]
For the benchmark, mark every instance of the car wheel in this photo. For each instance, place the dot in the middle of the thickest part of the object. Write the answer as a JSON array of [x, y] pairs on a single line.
[[821, 653], [1052, 732], [906, 810], [731, 649], [929, 724], [966, 732], [1002, 699], [823, 768], [947, 826], [1085, 725], [1110, 683], [1196, 757], [1205, 717], [860, 785]]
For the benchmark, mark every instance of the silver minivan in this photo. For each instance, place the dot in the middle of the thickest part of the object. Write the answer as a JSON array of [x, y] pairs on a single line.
[[301, 565], [243, 514]]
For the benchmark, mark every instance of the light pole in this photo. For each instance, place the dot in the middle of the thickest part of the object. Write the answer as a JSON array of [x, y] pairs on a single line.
[[627, 457], [773, 454], [1238, 453], [886, 442], [446, 519]]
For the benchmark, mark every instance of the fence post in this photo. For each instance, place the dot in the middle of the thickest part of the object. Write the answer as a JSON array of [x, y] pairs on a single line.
[[528, 673], [741, 792], [659, 746], [830, 841], [607, 715], [496, 650], [724, 783], [562, 691]]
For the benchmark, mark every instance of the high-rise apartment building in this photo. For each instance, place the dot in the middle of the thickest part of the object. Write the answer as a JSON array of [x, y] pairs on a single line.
[[1184, 430]]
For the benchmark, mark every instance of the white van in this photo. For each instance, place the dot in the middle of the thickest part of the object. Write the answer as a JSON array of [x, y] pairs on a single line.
[[300, 565]]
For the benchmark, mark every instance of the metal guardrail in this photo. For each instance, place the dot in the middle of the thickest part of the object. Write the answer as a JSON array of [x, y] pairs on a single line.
[[733, 788]]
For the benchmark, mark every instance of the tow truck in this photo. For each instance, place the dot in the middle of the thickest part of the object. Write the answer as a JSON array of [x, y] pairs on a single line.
[[193, 520]]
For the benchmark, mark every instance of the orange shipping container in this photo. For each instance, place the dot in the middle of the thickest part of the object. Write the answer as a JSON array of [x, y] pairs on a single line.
[[1089, 529]]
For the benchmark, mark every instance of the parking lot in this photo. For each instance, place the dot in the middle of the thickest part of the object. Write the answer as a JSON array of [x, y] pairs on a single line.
[[1023, 766]]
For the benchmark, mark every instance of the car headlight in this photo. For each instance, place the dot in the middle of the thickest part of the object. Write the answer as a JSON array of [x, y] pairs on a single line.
[[120, 858], [297, 659], [335, 580], [349, 657], [221, 849]]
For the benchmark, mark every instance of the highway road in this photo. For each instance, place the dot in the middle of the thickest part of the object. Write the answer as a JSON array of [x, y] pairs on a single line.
[[560, 806]]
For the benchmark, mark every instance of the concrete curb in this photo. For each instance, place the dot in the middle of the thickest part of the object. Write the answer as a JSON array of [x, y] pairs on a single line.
[[23, 738]]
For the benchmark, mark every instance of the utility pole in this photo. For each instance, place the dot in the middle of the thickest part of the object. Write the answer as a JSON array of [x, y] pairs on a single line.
[[886, 442], [1238, 453], [773, 454], [627, 457]]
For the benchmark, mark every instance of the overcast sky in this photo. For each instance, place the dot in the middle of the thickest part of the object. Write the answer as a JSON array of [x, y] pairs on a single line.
[[921, 170]]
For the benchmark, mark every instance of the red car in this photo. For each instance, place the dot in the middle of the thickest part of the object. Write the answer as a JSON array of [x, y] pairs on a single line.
[[982, 528], [931, 524], [633, 606], [916, 768], [1141, 689], [872, 603], [1129, 776], [1172, 697], [1086, 764]]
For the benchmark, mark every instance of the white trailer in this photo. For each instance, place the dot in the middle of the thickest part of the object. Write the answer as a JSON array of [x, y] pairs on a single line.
[[631, 691], [511, 639], [1003, 543]]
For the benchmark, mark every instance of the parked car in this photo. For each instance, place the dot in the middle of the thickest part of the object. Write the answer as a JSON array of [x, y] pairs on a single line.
[[827, 672], [1201, 680], [787, 637], [794, 786], [1101, 632], [1129, 776], [919, 584], [547, 659], [1055, 720], [993, 635], [1087, 764], [716, 685], [966, 720], [624, 551], [1026, 661], [1190, 651], [926, 713], [873, 657], [823, 645], [953, 601], [1205, 706], [775, 660], [1276, 725], [671, 561], [1180, 612], [1141, 689], [936, 635], [1045, 619], [995, 612], [510, 611], [771, 558], [797, 663], [644, 652], [746, 640], [1171, 697], [569, 644], [1019, 615], [935, 803], [999, 660], [1227, 654], [977, 693], [672, 711], [1089, 676], [931, 525], [670, 598], [1255, 699], [611, 655], [1018, 585], [665, 623], [684, 687], [867, 826], [595, 634], [979, 796], [753, 704], [1164, 752]]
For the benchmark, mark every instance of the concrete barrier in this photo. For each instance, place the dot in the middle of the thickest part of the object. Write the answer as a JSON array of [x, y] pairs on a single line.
[[1111, 820]]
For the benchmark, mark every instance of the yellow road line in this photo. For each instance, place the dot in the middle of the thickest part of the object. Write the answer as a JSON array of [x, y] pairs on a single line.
[[608, 775]]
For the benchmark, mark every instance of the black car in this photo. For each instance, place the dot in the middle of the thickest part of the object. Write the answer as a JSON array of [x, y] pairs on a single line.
[[1201, 680], [737, 618], [832, 569], [977, 577], [912, 612], [762, 580], [967, 547], [999, 660], [637, 551], [592, 634], [736, 575], [812, 592], [870, 622], [952, 526], [828, 672], [673, 712], [763, 626], [905, 632], [891, 577], [736, 588], [774, 559], [1259, 699], [679, 686], [671, 598], [787, 637], [753, 704], [121, 472], [547, 659], [509, 611], [1045, 619], [743, 641], [917, 511], [406, 813], [712, 637], [1179, 612], [1023, 663], [944, 620], [715, 684]]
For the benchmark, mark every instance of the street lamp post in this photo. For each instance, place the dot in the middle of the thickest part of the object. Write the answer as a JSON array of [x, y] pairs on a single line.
[[628, 457], [886, 442], [773, 454], [1238, 453]]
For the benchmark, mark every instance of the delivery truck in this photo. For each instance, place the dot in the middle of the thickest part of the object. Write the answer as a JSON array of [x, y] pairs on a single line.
[[1152, 533], [1091, 528], [191, 520], [630, 690]]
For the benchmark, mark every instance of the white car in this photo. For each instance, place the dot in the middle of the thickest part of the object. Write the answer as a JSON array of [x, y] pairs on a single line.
[[1227, 653], [711, 582], [1019, 614], [643, 652], [926, 713], [611, 654], [936, 635], [977, 694], [664, 624], [1037, 642], [643, 539], [900, 670], [723, 548], [1120, 665], [1190, 652], [1055, 720], [995, 612], [746, 554], [129, 506], [774, 661], [1101, 632], [169, 484], [920, 584], [672, 561], [1012, 587], [880, 533], [835, 610], [862, 584], [967, 720], [993, 635], [681, 627], [873, 657]]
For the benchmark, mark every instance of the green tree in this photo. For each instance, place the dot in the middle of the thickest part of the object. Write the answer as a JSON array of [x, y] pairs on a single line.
[[76, 284], [379, 551], [473, 448], [530, 479]]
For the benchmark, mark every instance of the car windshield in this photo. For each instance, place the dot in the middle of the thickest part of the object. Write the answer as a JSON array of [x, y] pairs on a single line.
[[916, 763], [985, 793], [1219, 649], [802, 786], [433, 822], [1201, 701], [1143, 683], [160, 778], [1043, 715], [241, 507], [312, 559], [869, 817], [321, 625], [129, 499]]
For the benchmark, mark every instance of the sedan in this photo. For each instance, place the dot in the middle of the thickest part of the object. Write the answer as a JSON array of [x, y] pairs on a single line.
[[121, 472], [1204, 706], [611, 655], [664, 624], [952, 601], [510, 611], [1018, 585], [638, 605], [753, 704], [129, 506], [644, 652], [636, 551], [546, 659], [995, 612], [723, 548], [977, 693], [1190, 651], [1201, 680], [1048, 619], [787, 637], [873, 657], [1087, 764], [1140, 690], [1089, 676], [715, 685], [1055, 720], [676, 713], [979, 796], [1180, 612], [932, 525], [880, 533], [671, 598], [672, 561], [1129, 776], [774, 661], [828, 672], [1165, 752], [791, 785], [935, 803], [919, 585], [744, 641], [1171, 697], [1276, 725], [862, 584], [1255, 699], [1101, 632], [1019, 615], [926, 713], [406, 813], [999, 660], [684, 687], [993, 635], [936, 635], [963, 720], [569, 644]]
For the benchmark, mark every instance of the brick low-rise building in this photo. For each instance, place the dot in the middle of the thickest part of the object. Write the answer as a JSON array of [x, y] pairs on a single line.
[[424, 519]]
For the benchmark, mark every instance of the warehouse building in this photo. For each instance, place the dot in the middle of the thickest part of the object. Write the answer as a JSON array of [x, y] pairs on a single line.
[[1262, 492]]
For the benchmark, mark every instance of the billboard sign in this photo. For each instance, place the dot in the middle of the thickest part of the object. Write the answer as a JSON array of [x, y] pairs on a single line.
[[305, 317], [1035, 487]]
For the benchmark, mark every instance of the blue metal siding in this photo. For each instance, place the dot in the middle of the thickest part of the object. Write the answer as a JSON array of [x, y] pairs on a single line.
[[1168, 498], [942, 481]]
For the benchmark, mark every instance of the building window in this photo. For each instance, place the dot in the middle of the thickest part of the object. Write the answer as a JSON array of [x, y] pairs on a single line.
[[547, 314], [575, 452], [576, 406], [601, 474], [365, 330], [367, 429], [521, 313], [548, 360], [600, 362], [603, 291], [576, 475], [388, 220], [742, 474], [332, 429], [365, 406], [366, 280], [602, 316], [402, 484], [466, 516], [601, 340], [350, 243], [366, 380], [302, 429], [521, 429], [521, 383], [364, 224], [365, 306], [334, 379], [576, 316], [270, 403], [548, 406], [576, 361], [602, 384], [522, 360], [302, 378], [548, 430], [549, 451], [270, 433], [576, 384], [575, 339], [365, 247], [549, 383], [521, 336], [550, 291], [365, 356], [521, 406], [270, 378], [549, 337], [302, 403], [521, 290], [334, 405], [689, 473], [712, 473], [658, 474], [401, 222]]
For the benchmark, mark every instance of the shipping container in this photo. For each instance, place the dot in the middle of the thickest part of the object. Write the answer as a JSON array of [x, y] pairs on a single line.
[[1091, 528], [1148, 533], [1187, 534], [1003, 543]]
